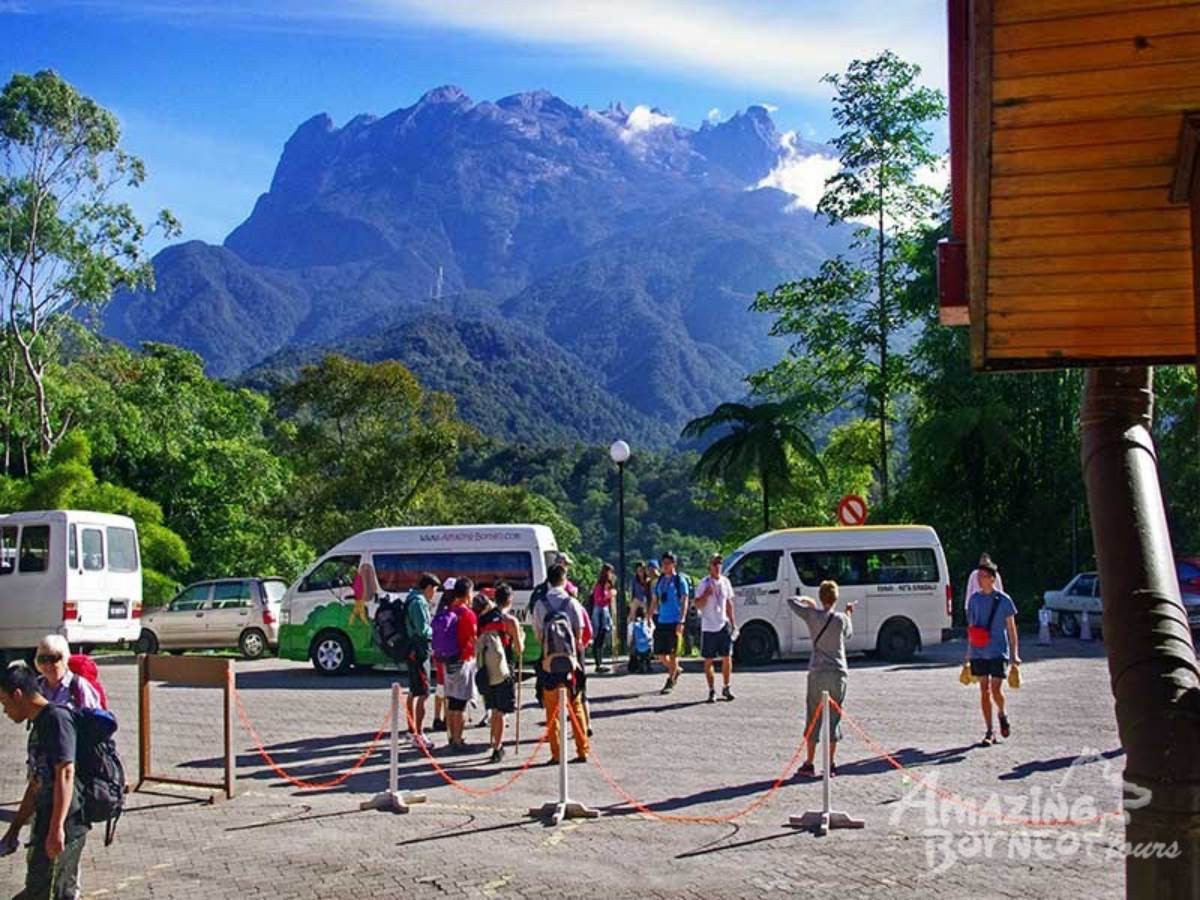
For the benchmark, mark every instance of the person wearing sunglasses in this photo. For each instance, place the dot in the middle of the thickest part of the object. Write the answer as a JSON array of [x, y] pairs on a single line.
[[58, 683]]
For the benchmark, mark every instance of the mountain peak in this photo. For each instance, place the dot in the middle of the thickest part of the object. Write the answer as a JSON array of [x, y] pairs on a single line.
[[747, 144], [446, 94]]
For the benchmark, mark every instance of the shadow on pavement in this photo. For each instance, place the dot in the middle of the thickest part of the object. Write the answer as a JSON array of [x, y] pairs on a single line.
[[1024, 770], [705, 851], [458, 831], [907, 757]]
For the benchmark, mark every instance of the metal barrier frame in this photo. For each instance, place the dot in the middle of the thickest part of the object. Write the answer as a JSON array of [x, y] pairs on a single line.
[[188, 671]]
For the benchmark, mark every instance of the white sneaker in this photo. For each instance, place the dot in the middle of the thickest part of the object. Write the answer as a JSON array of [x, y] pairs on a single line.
[[421, 742]]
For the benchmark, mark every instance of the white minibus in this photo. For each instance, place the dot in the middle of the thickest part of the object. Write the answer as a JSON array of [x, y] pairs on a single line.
[[896, 576], [69, 572], [316, 622]]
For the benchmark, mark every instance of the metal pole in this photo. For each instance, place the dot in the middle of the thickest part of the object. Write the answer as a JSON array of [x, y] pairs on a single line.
[[1151, 661], [827, 756], [394, 759], [563, 799], [622, 603]]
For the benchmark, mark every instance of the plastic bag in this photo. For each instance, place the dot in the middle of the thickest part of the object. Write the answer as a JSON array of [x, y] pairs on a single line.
[[1014, 677]]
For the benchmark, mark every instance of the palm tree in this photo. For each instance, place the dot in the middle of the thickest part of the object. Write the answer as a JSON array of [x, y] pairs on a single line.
[[758, 443]]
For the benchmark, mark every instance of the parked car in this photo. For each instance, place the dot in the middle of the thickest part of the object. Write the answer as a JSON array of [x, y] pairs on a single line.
[[1083, 593], [218, 614]]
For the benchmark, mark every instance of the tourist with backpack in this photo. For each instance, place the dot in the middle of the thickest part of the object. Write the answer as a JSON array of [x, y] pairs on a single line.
[[501, 642], [454, 631], [669, 607], [67, 680], [439, 669], [53, 799], [558, 621], [991, 641], [417, 637]]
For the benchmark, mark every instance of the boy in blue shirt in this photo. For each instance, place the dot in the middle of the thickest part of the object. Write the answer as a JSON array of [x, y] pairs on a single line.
[[991, 631], [639, 658], [670, 606]]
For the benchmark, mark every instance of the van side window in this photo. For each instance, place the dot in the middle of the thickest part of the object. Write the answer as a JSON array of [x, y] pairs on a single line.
[[8, 549], [867, 567], [122, 550], [759, 567], [92, 545], [399, 572], [72, 547], [334, 572], [35, 548]]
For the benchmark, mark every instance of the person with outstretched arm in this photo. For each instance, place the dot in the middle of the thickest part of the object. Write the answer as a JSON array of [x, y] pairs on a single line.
[[827, 669]]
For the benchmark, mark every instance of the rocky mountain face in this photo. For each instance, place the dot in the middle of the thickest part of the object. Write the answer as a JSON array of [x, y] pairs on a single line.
[[540, 251]]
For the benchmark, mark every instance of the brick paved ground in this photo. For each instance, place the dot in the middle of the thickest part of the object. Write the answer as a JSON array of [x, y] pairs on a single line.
[[675, 753]]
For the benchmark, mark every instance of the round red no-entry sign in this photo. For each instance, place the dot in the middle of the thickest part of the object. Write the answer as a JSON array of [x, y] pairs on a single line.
[[852, 510]]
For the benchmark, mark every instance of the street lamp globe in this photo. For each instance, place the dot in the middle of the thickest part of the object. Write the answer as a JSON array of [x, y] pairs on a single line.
[[619, 451]]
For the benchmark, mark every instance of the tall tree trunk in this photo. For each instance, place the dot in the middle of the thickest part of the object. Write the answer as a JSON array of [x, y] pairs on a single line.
[[766, 501], [883, 354], [1151, 661]]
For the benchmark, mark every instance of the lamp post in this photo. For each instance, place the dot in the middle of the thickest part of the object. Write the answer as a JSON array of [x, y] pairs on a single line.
[[619, 451]]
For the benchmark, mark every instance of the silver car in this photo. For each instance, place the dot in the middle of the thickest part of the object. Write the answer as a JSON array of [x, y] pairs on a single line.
[[219, 614]]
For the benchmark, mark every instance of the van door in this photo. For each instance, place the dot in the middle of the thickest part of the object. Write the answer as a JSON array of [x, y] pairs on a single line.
[[759, 589], [89, 588], [849, 569]]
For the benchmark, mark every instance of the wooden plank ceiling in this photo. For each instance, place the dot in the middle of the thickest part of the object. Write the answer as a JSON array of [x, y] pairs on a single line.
[[1087, 261]]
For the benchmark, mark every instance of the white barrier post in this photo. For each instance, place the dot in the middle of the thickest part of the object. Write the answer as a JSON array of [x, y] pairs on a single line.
[[822, 820], [393, 798], [1043, 626], [1085, 627], [565, 807]]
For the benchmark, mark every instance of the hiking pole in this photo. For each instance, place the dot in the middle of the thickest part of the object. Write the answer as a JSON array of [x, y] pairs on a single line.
[[517, 740]]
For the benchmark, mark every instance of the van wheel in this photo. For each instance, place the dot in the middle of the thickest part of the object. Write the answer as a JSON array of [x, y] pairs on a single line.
[[146, 643], [756, 645], [1068, 624], [331, 653], [898, 640], [252, 643]]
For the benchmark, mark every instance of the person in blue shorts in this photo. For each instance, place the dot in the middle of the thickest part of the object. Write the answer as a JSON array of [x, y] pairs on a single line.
[[669, 606], [991, 635]]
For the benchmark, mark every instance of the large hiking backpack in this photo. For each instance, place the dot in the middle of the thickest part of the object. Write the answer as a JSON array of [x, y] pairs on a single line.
[[83, 666], [390, 627], [445, 634], [537, 594], [558, 641], [491, 656], [99, 770]]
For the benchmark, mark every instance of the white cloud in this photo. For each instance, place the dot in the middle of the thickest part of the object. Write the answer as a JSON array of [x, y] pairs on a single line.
[[714, 115], [643, 119], [784, 48], [803, 175], [769, 107]]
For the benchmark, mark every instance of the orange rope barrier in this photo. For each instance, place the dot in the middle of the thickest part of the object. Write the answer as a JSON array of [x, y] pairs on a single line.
[[482, 792], [951, 797], [704, 820], [300, 782]]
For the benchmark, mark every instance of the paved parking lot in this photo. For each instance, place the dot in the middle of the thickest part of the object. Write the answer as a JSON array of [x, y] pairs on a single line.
[[675, 754]]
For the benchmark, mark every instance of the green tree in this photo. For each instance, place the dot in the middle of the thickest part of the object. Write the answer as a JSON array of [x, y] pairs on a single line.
[[845, 317], [67, 245], [760, 442], [370, 446]]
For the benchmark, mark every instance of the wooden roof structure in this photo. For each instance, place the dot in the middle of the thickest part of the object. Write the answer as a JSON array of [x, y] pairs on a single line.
[[1075, 169]]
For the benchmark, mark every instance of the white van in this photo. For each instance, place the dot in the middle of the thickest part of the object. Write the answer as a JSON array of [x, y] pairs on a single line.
[[70, 572], [316, 610], [895, 574]]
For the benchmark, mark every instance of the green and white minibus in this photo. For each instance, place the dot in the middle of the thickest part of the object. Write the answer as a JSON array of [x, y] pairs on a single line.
[[315, 616]]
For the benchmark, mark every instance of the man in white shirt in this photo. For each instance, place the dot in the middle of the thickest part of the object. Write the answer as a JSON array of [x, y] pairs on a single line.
[[714, 599]]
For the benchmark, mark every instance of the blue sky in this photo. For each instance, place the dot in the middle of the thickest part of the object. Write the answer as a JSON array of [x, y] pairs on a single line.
[[209, 90]]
